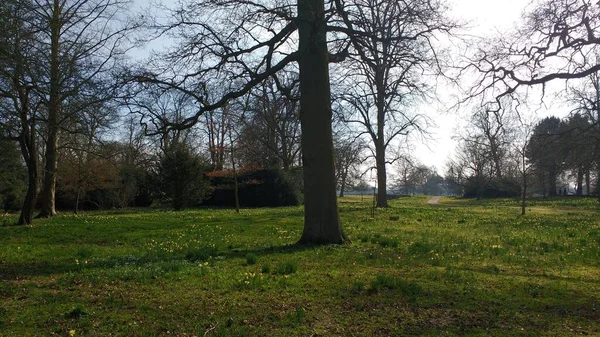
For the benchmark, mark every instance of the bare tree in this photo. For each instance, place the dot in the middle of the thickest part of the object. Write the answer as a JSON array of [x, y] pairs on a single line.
[[474, 163], [586, 99], [392, 53], [411, 174], [81, 150], [270, 131], [82, 41], [348, 157], [19, 106], [521, 146], [217, 125], [557, 40], [495, 128], [159, 108], [251, 42]]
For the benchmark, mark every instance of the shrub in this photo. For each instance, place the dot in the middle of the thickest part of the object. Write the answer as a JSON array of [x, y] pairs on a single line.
[[13, 177], [495, 188], [256, 188], [182, 177]]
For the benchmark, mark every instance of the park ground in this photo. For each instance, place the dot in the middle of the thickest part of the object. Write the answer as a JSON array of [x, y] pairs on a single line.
[[456, 268]]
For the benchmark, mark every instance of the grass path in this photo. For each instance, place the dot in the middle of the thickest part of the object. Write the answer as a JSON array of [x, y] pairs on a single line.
[[434, 200]]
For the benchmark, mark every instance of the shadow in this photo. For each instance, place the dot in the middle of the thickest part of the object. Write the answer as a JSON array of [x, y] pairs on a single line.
[[34, 268]]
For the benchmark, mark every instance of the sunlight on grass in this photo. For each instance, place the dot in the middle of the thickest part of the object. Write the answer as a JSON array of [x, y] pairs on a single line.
[[462, 267]]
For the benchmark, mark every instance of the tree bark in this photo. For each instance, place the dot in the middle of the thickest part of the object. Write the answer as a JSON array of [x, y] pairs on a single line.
[[29, 150], [49, 187], [381, 174], [588, 184], [524, 196], [380, 141], [579, 190], [321, 218], [343, 183], [236, 191]]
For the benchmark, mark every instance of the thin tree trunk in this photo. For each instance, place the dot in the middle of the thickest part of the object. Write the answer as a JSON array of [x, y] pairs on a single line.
[[588, 183], [321, 217], [343, 183], [579, 191], [598, 185], [77, 200], [524, 187], [235, 177]]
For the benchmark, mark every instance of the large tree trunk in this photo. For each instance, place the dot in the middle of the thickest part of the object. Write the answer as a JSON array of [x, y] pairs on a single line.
[[49, 187], [321, 217], [381, 174], [54, 107]]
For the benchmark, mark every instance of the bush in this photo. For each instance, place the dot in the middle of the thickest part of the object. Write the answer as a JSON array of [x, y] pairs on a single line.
[[495, 188], [13, 177], [257, 188], [182, 177]]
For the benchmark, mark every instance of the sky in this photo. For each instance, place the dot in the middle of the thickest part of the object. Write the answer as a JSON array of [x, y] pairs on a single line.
[[485, 18]]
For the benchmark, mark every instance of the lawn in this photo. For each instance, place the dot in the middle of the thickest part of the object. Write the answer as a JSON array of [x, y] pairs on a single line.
[[453, 269]]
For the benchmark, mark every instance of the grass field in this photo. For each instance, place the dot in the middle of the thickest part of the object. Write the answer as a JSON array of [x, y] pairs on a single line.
[[454, 269]]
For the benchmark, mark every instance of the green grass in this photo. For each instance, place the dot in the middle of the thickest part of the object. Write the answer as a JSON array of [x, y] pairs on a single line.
[[459, 268]]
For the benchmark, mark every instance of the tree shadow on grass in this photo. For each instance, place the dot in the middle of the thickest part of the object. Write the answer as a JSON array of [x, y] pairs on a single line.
[[34, 268]]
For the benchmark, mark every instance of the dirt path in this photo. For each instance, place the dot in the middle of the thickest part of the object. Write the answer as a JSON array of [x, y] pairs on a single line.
[[434, 200]]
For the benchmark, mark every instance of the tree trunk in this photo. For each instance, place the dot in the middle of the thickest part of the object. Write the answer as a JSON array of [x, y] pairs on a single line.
[[524, 186], [598, 185], [49, 186], [321, 217], [236, 190], [29, 151], [381, 175], [588, 184], [579, 190], [343, 183], [76, 211], [380, 141]]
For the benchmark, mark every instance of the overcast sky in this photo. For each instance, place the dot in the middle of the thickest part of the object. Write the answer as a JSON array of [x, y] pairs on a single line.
[[485, 18]]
